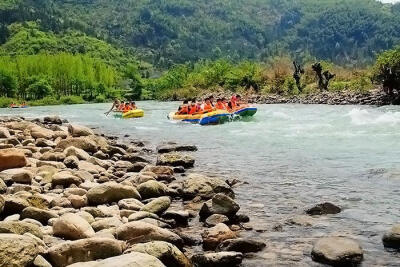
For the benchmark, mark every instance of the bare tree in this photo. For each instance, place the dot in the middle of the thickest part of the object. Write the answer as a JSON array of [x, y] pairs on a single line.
[[323, 77], [298, 72]]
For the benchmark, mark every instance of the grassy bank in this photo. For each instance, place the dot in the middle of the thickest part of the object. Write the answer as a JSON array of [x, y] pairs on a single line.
[[47, 101]]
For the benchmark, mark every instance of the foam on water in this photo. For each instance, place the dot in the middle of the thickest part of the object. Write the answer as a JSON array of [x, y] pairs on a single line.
[[363, 117]]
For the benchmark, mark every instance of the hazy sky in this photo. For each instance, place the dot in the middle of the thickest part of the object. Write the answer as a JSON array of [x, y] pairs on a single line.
[[389, 1]]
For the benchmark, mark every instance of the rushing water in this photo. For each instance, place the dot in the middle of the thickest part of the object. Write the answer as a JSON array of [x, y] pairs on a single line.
[[292, 156]]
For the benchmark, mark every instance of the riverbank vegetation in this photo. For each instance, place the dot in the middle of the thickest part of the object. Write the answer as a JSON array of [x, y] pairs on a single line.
[[55, 52]]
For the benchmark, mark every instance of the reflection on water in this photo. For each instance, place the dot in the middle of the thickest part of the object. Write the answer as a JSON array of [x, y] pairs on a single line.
[[292, 156]]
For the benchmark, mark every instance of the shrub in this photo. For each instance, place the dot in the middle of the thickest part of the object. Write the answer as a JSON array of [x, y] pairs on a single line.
[[73, 99], [6, 102], [100, 99]]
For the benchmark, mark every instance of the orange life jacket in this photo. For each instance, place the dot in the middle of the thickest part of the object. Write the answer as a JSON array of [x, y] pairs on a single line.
[[184, 110], [127, 108], [220, 105], [193, 109], [208, 107]]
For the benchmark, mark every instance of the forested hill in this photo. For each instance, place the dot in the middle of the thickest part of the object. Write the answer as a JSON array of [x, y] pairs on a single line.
[[164, 32]]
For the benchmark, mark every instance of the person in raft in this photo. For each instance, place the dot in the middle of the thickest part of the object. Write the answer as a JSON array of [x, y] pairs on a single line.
[[115, 106]]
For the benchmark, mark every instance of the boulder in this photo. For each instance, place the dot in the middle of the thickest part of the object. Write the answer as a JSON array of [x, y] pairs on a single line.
[[241, 245], [19, 175], [40, 215], [14, 205], [78, 130], [323, 209], [158, 205], [72, 226], [71, 162], [90, 167], [167, 253], [12, 158], [164, 173], [42, 142], [175, 159], [53, 156], [219, 204], [3, 188], [152, 189], [84, 250], [40, 132], [139, 232], [181, 217], [130, 204], [215, 219], [337, 251], [77, 152], [205, 187], [54, 164], [19, 250], [106, 223], [77, 201], [173, 147], [111, 192], [212, 237], [41, 262], [84, 143], [301, 220], [218, 259], [65, 178], [4, 133], [391, 239], [142, 215], [20, 228], [102, 163], [134, 259], [52, 120], [2, 203]]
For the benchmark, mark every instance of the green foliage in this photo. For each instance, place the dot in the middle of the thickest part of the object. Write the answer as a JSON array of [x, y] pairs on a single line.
[[387, 69], [6, 101], [72, 99], [8, 83]]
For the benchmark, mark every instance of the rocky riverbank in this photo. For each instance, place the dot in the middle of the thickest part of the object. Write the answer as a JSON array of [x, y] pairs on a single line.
[[374, 97], [73, 197]]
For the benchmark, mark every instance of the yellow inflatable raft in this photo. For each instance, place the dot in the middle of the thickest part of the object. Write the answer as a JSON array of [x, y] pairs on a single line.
[[137, 113]]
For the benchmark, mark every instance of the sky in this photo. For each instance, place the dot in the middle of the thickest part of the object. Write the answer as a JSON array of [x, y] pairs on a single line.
[[390, 1]]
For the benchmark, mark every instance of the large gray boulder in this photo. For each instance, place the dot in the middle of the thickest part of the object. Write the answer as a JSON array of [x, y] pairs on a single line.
[[71, 226], [84, 143], [152, 189], [158, 205], [218, 259], [111, 192], [20, 228], [337, 251], [134, 259], [205, 187], [19, 250], [391, 239], [84, 250], [167, 253], [138, 232], [219, 204], [65, 178], [40, 132], [78, 130]]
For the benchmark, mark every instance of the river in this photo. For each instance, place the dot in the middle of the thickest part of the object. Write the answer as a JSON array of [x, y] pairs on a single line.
[[292, 156]]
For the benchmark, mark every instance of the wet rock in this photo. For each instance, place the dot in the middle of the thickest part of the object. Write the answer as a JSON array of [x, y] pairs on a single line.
[[241, 245], [71, 162], [18, 175], [205, 187], [65, 178], [212, 237], [142, 215], [181, 217], [12, 158], [176, 159], [72, 226], [170, 147], [158, 205], [83, 143], [152, 189], [41, 215], [337, 251], [106, 224], [19, 250], [391, 239], [135, 158], [163, 173], [137, 167], [323, 209], [20, 228], [218, 259], [130, 204], [111, 192], [301, 220], [165, 252], [139, 232], [78, 130], [77, 152], [52, 120], [219, 204], [84, 250], [128, 260], [215, 219]]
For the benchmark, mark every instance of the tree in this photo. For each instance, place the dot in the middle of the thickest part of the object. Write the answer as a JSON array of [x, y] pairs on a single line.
[[323, 77], [135, 82], [39, 87], [387, 70], [298, 72], [8, 84]]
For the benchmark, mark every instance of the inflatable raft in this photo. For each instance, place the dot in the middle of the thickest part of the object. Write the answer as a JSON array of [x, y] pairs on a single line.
[[214, 117], [246, 112], [137, 113]]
